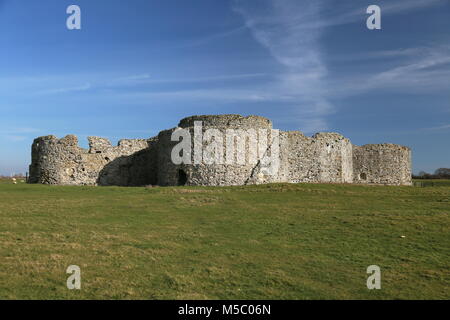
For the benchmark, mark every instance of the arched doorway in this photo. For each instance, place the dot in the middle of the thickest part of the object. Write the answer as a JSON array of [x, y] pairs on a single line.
[[182, 178]]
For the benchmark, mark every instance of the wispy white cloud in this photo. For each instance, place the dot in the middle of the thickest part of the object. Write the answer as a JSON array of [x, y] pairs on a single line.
[[217, 95], [378, 55], [134, 77], [291, 31], [420, 70], [83, 87], [213, 37], [129, 80], [391, 7], [416, 71], [18, 130], [443, 127], [278, 26], [45, 85], [17, 134], [198, 79], [351, 12], [14, 138]]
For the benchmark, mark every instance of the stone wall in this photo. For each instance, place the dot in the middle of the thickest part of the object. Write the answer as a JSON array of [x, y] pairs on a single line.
[[322, 158], [325, 157], [220, 173], [63, 162], [382, 164]]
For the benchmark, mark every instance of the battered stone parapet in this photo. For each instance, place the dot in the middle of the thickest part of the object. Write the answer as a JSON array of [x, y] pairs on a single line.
[[63, 162], [382, 164], [231, 121], [322, 158]]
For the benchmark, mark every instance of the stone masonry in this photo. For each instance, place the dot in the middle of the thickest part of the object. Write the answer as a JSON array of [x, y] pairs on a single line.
[[322, 158]]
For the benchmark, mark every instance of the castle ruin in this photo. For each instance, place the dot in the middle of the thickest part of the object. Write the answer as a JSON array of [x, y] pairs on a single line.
[[322, 158]]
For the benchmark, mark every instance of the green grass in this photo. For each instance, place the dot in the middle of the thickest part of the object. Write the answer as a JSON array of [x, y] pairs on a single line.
[[305, 241], [431, 182]]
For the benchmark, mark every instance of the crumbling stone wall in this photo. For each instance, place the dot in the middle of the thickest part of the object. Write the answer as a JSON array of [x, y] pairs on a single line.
[[218, 174], [382, 164], [63, 162], [324, 157]]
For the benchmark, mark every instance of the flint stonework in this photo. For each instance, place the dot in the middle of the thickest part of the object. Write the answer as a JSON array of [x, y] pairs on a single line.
[[322, 158]]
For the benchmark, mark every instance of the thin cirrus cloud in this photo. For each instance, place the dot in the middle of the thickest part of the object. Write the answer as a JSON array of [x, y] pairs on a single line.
[[207, 39], [444, 127], [222, 95], [19, 130], [146, 79], [43, 84], [104, 82], [420, 70], [432, 70], [348, 11], [83, 87], [378, 55], [17, 134], [291, 31], [15, 138], [305, 82], [279, 27]]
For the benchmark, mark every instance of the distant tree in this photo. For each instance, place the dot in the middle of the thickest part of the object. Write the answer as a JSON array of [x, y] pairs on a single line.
[[442, 173], [422, 173]]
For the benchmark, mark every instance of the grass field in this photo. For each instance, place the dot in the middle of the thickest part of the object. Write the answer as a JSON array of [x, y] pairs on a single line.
[[305, 241], [431, 183]]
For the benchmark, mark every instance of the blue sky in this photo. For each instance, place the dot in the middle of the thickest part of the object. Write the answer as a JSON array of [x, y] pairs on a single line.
[[139, 66]]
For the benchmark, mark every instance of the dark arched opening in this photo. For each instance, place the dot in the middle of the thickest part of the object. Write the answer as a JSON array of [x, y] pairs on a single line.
[[182, 178]]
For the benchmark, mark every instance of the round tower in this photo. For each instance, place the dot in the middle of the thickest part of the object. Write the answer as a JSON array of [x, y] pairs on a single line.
[[215, 150], [52, 159], [382, 164]]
